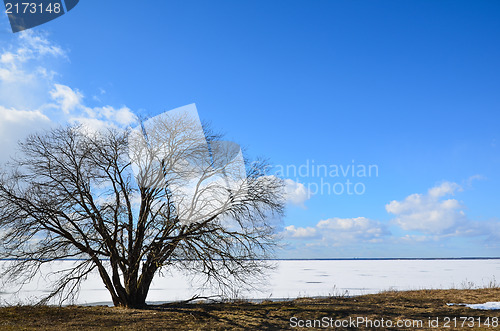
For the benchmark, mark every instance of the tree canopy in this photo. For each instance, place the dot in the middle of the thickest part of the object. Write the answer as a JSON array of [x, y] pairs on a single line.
[[131, 203]]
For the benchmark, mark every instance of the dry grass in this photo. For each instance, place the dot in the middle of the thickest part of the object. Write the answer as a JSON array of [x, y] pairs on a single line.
[[244, 315]]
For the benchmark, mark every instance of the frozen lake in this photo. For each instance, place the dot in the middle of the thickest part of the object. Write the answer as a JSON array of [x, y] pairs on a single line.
[[296, 278]]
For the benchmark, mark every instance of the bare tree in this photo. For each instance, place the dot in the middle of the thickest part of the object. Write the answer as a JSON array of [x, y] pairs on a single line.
[[133, 203]]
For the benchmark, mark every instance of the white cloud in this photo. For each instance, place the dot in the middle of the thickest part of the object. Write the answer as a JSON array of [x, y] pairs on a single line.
[[123, 115], [104, 117], [37, 44], [90, 124], [430, 213], [31, 99], [25, 77], [67, 98], [474, 178], [353, 229], [446, 188], [14, 116], [298, 232], [15, 124], [296, 193], [340, 231], [70, 101], [29, 47], [410, 238]]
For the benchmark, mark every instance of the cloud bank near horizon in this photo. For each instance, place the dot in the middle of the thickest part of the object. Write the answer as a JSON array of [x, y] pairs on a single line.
[[434, 216]]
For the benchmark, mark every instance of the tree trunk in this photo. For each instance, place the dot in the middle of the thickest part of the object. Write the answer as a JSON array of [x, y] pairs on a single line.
[[136, 292]]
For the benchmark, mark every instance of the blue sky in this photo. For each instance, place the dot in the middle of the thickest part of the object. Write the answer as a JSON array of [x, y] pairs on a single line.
[[412, 87]]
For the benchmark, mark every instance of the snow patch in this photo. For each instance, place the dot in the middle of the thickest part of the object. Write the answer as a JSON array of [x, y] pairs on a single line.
[[481, 306]]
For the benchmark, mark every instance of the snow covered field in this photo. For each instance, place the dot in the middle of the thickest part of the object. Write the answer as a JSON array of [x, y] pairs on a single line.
[[298, 278]]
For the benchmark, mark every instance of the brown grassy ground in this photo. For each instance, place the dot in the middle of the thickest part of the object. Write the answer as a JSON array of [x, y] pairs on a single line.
[[390, 305]]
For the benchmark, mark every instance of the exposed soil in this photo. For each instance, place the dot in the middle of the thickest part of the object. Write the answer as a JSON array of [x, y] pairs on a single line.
[[391, 305]]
